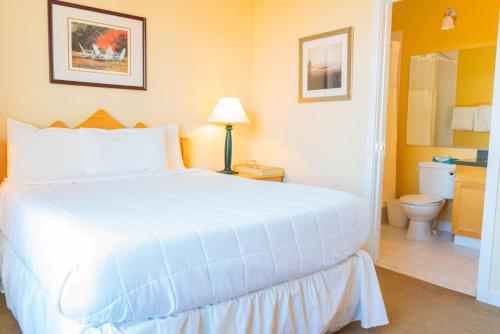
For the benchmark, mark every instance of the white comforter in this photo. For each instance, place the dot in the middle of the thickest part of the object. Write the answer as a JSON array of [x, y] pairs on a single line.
[[131, 248]]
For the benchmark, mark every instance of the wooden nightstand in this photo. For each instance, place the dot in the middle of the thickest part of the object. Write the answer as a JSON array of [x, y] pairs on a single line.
[[276, 174], [272, 178]]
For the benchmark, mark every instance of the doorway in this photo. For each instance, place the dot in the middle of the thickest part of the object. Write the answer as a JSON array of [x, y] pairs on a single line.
[[379, 195]]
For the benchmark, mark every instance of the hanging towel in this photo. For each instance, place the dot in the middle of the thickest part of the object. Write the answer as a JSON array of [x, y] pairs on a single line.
[[482, 118], [463, 118]]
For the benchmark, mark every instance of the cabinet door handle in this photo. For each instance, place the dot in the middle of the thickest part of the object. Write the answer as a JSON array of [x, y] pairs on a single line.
[[452, 173]]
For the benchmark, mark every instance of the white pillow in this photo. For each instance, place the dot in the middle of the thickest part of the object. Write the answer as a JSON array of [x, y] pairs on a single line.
[[123, 151], [173, 146], [34, 153]]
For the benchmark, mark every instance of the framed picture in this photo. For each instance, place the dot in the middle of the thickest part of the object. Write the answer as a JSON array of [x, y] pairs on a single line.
[[325, 66], [96, 47]]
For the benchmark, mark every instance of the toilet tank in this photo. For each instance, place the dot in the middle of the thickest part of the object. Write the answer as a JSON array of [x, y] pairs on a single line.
[[436, 179]]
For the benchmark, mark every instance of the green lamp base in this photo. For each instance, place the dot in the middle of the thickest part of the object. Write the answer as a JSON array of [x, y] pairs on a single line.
[[228, 152], [227, 171]]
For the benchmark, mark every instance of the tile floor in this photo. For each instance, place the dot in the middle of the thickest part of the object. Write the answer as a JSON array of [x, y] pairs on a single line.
[[436, 261]]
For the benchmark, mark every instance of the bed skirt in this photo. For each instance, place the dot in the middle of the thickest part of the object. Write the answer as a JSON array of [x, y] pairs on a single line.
[[319, 303]]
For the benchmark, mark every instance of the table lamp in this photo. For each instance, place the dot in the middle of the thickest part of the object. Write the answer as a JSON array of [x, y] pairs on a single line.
[[228, 111]]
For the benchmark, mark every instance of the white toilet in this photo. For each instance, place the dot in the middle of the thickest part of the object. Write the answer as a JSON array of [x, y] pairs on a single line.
[[436, 185]]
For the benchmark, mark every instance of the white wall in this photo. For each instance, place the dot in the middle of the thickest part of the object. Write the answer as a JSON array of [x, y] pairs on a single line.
[[317, 143], [197, 50], [489, 266], [491, 293]]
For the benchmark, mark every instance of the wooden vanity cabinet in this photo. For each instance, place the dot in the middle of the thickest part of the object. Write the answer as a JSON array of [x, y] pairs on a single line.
[[468, 201]]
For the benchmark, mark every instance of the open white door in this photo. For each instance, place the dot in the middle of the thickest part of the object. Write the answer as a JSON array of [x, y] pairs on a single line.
[[377, 117]]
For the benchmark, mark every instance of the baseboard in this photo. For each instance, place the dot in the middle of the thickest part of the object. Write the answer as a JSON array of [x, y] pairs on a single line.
[[460, 240], [383, 215], [493, 298], [444, 226]]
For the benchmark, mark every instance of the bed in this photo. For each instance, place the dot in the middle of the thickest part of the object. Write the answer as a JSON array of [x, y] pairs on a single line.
[[185, 251]]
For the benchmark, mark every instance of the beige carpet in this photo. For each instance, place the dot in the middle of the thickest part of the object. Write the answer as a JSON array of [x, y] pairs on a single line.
[[8, 325], [416, 306], [413, 306]]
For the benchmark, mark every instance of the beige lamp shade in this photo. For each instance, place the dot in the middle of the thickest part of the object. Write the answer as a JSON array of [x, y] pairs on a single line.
[[228, 111]]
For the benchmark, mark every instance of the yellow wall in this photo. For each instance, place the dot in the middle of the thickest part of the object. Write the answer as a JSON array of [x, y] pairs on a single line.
[[475, 77], [471, 139], [317, 143], [197, 52], [420, 22]]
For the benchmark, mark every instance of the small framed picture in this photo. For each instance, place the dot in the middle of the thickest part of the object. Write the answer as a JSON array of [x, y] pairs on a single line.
[[325, 66], [95, 47]]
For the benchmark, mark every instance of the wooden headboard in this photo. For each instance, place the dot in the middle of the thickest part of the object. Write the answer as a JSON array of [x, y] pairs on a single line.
[[102, 120]]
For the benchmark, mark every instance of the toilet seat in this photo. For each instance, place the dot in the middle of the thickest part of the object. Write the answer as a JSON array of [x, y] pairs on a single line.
[[420, 199]]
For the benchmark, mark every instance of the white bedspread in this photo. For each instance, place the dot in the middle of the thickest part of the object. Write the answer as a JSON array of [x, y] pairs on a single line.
[[132, 248], [322, 302]]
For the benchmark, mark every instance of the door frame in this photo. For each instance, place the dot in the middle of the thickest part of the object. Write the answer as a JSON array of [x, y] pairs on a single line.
[[484, 292], [379, 89], [382, 16]]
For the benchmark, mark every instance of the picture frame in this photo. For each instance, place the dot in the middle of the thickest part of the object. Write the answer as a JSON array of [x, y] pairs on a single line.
[[325, 66], [95, 47]]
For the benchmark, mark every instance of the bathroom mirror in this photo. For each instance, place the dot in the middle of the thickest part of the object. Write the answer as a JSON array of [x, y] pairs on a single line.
[[449, 98]]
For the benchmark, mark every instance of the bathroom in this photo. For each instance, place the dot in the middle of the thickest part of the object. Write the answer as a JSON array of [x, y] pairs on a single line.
[[441, 74]]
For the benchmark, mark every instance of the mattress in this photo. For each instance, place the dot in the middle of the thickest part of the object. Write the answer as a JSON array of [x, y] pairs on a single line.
[[121, 249]]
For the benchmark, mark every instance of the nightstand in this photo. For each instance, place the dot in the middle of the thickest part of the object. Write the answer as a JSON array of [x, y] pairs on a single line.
[[272, 178]]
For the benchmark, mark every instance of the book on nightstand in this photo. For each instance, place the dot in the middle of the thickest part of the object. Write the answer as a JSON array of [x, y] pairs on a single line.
[[257, 169]]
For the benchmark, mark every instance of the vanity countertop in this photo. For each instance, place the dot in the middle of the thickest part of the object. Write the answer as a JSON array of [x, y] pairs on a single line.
[[472, 162], [480, 161]]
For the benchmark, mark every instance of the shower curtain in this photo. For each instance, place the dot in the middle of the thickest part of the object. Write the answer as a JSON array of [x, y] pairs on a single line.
[[422, 100]]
